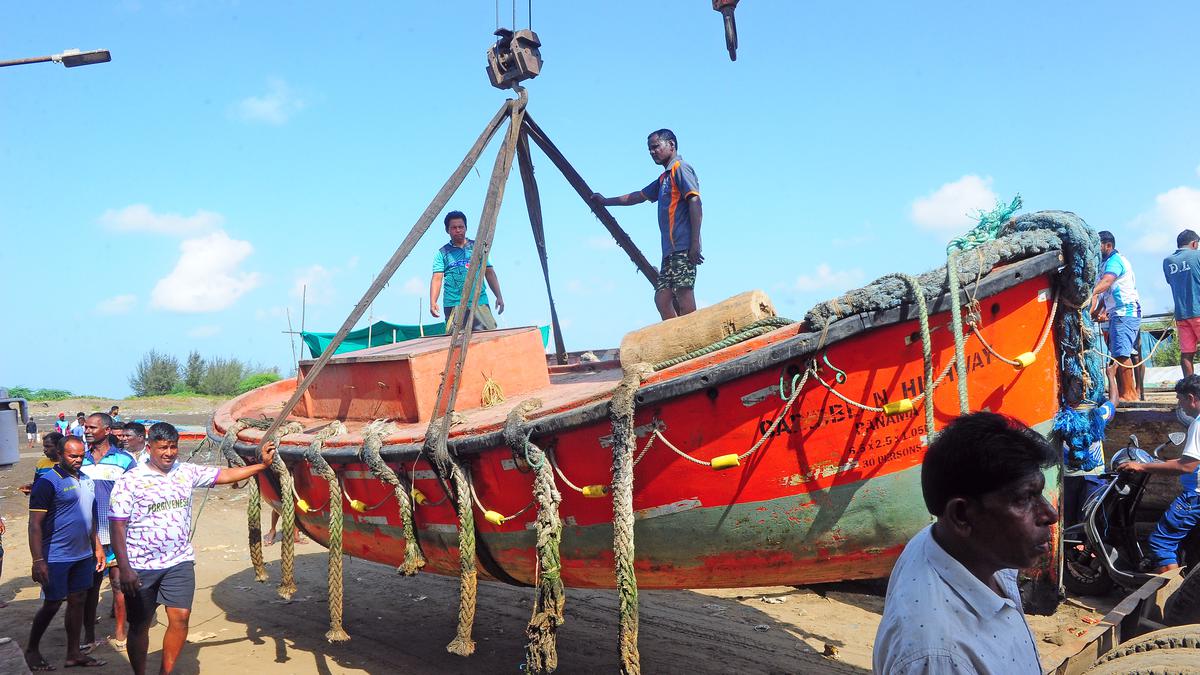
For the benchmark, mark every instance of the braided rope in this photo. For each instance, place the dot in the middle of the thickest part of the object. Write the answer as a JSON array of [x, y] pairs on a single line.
[[541, 649], [336, 632], [956, 323], [1037, 348], [621, 409], [462, 644], [373, 436], [927, 347], [287, 518], [254, 503], [760, 327]]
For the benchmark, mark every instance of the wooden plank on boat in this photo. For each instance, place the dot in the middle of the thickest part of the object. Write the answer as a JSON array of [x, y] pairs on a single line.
[[687, 333]]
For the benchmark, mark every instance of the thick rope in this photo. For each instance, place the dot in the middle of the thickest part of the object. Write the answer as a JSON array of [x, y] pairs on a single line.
[[956, 324], [254, 503], [287, 518], [541, 649], [462, 644], [336, 632], [621, 412], [373, 436], [927, 350], [760, 327]]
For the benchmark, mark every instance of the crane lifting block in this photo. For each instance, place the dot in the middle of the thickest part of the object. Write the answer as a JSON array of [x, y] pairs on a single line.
[[515, 57]]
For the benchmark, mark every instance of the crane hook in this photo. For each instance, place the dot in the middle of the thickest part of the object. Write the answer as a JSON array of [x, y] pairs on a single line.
[[726, 7]]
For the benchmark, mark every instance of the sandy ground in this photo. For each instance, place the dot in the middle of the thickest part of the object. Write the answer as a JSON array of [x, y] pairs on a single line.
[[174, 409], [403, 624]]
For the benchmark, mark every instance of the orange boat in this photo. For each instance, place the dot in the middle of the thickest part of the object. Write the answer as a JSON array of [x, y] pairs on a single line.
[[791, 457]]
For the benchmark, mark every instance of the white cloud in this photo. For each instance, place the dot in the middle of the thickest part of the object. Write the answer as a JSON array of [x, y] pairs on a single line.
[[825, 277], [141, 218], [312, 285], [601, 243], [275, 107], [1175, 210], [953, 205], [118, 304], [206, 278], [415, 286], [205, 331], [262, 314]]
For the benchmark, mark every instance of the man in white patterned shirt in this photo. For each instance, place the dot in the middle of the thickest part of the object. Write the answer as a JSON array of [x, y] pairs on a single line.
[[150, 512]]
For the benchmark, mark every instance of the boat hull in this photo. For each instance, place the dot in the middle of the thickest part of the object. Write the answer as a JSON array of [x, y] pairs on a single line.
[[832, 494]]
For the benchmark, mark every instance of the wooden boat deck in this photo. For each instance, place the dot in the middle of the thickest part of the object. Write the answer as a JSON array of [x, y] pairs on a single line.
[[570, 386]]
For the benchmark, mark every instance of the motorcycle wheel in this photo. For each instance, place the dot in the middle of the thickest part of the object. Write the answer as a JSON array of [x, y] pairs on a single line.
[[1084, 573]]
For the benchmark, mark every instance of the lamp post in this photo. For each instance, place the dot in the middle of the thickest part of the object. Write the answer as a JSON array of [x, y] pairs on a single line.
[[69, 58]]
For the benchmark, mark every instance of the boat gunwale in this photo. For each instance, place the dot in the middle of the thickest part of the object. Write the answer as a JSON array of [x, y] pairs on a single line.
[[772, 355]]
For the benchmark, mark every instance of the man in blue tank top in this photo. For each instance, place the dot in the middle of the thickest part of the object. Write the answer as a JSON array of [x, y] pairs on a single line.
[[1182, 270]]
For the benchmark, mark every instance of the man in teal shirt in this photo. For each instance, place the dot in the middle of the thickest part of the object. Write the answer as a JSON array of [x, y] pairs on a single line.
[[1182, 270], [450, 267]]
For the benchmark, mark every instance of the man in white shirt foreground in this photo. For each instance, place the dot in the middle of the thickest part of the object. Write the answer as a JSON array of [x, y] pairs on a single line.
[[952, 601], [150, 513]]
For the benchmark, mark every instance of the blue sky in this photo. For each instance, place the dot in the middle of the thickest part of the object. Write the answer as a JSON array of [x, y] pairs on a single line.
[[178, 197]]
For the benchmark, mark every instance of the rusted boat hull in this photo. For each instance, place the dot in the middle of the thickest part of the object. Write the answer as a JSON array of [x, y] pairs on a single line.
[[833, 494]]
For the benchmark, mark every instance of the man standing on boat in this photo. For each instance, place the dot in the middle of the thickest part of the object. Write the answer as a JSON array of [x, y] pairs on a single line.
[[677, 192], [1117, 289], [952, 603], [1182, 270], [450, 265]]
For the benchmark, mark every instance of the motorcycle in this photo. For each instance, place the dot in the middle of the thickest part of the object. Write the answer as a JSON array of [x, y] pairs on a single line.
[[1103, 549]]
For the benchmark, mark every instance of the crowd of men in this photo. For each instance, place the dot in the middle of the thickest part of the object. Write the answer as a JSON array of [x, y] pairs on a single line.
[[115, 501]]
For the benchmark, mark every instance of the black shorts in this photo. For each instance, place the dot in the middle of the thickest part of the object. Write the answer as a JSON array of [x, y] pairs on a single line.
[[172, 587], [68, 578]]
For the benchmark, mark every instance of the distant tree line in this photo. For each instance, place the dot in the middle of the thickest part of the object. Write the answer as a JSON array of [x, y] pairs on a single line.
[[31, 394], [158, 373]]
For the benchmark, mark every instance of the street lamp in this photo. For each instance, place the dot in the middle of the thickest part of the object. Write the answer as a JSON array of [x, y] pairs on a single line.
[[69, 58]]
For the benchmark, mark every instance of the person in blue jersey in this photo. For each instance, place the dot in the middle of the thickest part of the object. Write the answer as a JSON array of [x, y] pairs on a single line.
[[450, 267], [51, 446], [104, 463], [66, 551], [680, 213], [1182, 270], [1117, 290], [1184, 513]]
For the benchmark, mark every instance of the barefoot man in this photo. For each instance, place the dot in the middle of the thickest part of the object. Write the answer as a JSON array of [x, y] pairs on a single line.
[[151, 515]]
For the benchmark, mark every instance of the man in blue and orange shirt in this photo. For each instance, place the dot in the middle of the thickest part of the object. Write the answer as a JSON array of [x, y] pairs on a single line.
[[677, 192]]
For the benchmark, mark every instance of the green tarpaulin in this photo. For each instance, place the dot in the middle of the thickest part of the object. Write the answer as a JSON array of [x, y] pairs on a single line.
[[380, 333]]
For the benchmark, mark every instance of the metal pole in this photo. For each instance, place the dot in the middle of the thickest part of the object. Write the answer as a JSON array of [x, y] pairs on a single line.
[[291, 337], [21, 62], [406, 247]]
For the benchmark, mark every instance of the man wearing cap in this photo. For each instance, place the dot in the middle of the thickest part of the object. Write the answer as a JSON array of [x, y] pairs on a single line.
[[61, 426]]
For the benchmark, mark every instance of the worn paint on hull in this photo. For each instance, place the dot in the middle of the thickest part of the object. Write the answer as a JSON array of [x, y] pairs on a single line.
[[833, 494]]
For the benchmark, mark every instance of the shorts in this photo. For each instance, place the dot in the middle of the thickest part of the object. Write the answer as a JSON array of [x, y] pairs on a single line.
[[483, 318], [1189, 334], [69, 578], [1123, 334], [676, 273], [31, 436], [110, 556], [172, 587], [1178, 520]]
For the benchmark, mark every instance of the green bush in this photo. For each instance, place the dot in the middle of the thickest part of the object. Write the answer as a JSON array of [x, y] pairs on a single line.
[[39, 394], [256, 380], [157, 374], [221, 376]]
